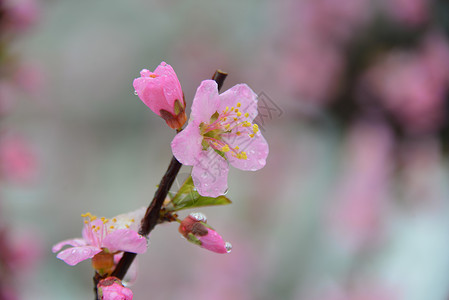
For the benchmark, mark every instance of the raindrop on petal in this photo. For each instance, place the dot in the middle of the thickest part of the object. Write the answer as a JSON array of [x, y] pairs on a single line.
[[199, 216], [228, 247], [135, 93]]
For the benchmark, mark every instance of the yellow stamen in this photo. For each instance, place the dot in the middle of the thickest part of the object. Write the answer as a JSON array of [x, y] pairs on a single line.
[[236, 148], [239, 114], [126, 225], [114, 220], [255, 128], [251, 135], [232, 108], [238, 133], [246, 124], [246, 115], [239, 104], [227, 126], [111, 227], [236, 110], [132, 220], [225, 148]]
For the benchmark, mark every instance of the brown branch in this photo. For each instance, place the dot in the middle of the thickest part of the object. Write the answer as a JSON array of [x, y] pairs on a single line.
[[151, 217]]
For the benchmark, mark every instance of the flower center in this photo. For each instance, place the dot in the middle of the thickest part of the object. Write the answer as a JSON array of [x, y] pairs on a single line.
[[223, 127]]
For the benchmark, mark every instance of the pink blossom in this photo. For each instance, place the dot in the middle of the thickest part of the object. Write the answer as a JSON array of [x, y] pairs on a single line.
[[111, 288], [220, 131], [109, 236], [21, 14], [195, 230], [162, 93], [17, 161]]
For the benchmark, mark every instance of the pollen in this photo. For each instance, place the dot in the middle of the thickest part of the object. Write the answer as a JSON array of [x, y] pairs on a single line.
[[246, 115], [239, 104], [126, 225], [239, 114], [132, 220], [255, 128], [246, 124], [236, 148], [251, 135], [238, 133], [114, 220], [225, 148], [236, 110], [227, 126], [111, 227]]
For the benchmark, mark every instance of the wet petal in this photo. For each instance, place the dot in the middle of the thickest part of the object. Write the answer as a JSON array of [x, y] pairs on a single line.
[[210, 174], [206, 101], [71, 242], [125, 240], [212, 241], [256, 150], [243, 94], [186, 145], [74, 255]]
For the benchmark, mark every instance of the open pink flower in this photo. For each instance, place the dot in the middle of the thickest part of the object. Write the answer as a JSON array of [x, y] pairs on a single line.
[[220, 130], [195, 230], [162, 93], [108, 236]]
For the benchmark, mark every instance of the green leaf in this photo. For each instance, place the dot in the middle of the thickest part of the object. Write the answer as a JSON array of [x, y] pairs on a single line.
[[187, 197]]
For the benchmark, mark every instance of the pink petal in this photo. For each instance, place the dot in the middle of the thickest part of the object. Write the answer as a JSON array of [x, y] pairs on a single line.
[[206, 101], [186, 145], [210, 174], [125, 240], [256, 149], [151, 92], [72, 242], [92, 237], [74, 255], [243, 94], [213, 242]]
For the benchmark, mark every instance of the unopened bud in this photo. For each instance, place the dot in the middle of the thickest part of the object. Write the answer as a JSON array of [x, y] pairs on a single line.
[[195, 230], [111, 288]]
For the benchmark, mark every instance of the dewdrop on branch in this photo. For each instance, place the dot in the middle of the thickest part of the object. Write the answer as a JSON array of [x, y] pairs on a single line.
[[162, 93], [195, 230]]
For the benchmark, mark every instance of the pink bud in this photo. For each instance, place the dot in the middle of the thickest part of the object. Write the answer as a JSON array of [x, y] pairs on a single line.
[[111, 288], [195, 230], [162, 93]]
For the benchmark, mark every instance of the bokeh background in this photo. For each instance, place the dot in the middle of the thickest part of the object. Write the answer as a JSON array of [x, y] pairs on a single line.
[[353, 201]]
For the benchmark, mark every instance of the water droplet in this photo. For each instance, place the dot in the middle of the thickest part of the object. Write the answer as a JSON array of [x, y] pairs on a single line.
[[194, 189], [135, 93], [252, 152], [199, 216], [206, 184], [228, 247], [225, 192]]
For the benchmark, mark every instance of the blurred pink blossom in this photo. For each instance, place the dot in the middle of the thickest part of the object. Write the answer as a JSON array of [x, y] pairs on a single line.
[[17, 160], [409, 12], [412, 85], [360, 197], [21, 14]]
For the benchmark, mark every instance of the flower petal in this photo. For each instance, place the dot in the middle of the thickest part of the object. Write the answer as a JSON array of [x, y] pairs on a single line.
[[71, 242], [256, 150], [210, 174], [125, 240], [205, 102], [212, 241], [186, 145], [74, 255], [243, 94]]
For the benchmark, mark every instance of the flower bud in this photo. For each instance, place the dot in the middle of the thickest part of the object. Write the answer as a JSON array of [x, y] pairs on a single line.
[[195, 230], [162, 93], [112, 288]]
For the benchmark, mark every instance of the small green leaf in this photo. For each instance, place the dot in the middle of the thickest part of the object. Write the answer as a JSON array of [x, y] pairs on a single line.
[[187, 197]]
